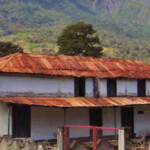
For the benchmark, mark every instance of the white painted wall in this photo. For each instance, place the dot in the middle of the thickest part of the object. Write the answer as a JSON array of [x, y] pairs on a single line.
[[89, 87], [78, 116], [126, 87], [108, 119], [4, 119], [121, 87], [102, 85], [31, 86], [62, 86], [148, 87], [142, 121], [131, 87], [44, 122]]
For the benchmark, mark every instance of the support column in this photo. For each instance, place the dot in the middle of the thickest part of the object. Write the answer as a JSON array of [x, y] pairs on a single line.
[[60, 138], [115, 121], [65, 138], [94, 138], [148, 146], [65, 115], [121, 139], [9, 118], [66, 131]]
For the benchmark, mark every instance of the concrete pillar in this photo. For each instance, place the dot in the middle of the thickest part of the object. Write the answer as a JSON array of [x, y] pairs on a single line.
[[60, 138], [121, 139], [148, 146]]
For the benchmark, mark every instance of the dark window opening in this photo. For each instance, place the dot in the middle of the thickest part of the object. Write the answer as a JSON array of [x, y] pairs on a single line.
[[79, 87], [140, 112], [141, 88], [21, 121], [111, 88]]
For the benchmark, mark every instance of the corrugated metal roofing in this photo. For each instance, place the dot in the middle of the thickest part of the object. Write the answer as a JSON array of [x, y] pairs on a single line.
[[75, 66], [77, 102]]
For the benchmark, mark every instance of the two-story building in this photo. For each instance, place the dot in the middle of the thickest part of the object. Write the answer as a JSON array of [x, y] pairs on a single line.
[[39, 93]]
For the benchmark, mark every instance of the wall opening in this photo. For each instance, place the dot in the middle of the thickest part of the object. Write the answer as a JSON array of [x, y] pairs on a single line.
[[96, 118], [127, 118], [111, 88], [79, 87], [21, 121], [141, 88]]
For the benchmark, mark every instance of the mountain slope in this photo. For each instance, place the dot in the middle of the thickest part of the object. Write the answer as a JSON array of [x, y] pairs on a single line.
[[125, 17], [35, 24]]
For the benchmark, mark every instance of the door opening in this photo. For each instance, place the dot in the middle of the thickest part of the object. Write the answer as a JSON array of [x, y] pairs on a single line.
[[127, 118], [96, 119], [21, 121]]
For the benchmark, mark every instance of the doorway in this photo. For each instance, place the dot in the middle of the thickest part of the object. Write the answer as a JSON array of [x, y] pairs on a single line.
[[96, 119], [21, 121], [127, 118]]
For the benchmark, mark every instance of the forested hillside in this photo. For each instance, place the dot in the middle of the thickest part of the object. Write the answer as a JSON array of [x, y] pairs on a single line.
[[123, 25]]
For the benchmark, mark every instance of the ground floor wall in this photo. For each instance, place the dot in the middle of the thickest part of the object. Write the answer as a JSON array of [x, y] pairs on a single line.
[[5, 119], [44, 121], [111, 118], [142, 120]]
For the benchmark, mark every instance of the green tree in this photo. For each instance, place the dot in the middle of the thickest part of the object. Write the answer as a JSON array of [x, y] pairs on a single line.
[[79, 39], [7, 48]]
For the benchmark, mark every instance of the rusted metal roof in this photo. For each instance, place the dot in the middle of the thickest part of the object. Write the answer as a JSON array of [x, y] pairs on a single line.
[[76, 102], [75, 66]]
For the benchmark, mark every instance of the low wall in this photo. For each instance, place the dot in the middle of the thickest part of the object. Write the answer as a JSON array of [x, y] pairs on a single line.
[[8, 143]]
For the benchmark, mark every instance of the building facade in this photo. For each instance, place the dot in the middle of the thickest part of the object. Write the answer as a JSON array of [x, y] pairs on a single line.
[[40, 93]]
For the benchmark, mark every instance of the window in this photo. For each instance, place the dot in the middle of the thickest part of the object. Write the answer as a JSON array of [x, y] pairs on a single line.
[[21, 118], [140, 112], [141, 88], [111, 88], [79, 87]]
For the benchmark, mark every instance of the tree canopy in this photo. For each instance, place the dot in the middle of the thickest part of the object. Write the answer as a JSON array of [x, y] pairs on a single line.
[[79, 39], [7, 48]]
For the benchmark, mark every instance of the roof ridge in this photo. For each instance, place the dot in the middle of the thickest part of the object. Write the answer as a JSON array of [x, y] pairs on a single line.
[[11, 56], [88, 57]]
